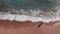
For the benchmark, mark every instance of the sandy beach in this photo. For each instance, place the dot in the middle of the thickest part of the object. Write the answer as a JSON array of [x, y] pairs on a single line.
[[28, 27]]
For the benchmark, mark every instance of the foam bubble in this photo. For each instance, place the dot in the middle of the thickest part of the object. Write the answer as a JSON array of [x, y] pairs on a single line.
[[32, 15]]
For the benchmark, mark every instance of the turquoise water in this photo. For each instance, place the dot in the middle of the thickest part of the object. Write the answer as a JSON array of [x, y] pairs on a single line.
[[47, 8], [20, 3], [27, 4]]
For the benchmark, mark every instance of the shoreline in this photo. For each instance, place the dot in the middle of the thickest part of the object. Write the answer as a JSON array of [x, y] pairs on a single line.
[[27, 27]]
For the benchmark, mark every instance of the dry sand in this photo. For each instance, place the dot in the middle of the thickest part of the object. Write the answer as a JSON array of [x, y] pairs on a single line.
[[27, 27]]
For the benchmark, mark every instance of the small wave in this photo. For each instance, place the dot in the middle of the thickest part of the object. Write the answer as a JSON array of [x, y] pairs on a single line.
[[32, 15]]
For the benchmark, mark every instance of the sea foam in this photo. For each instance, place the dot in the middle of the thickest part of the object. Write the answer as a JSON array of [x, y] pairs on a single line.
[[32, 15]]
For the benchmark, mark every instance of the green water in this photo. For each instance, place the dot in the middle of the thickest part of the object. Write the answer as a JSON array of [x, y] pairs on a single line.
[[19, 3], [27, 4]]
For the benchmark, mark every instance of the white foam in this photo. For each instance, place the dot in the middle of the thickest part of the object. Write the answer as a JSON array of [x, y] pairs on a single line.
[[24, 17]]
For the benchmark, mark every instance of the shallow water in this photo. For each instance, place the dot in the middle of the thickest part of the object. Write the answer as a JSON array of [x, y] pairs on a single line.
[[39, 10]]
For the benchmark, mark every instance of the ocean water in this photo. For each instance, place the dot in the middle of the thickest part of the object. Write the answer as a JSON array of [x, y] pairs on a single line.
[[32, 16], [31, 10]]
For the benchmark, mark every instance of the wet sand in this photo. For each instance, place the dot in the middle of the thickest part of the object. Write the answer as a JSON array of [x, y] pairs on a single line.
[[27, 27]]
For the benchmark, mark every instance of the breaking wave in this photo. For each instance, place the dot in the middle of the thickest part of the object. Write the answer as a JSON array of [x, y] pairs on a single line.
[[30, 15]]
